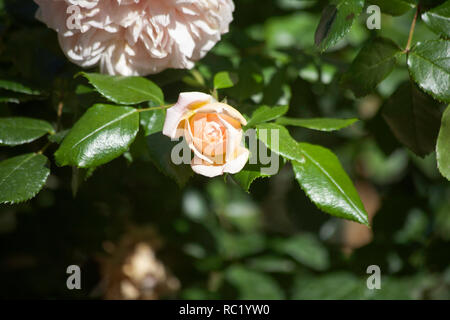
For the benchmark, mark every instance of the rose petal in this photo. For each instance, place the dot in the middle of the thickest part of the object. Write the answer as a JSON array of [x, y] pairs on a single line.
[[233, 166], [177, 113]]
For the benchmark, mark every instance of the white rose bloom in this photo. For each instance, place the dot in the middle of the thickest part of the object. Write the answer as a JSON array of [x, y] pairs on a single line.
[[136, 37]]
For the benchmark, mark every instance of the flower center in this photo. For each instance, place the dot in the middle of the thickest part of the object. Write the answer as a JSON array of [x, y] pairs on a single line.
[[209, 134]]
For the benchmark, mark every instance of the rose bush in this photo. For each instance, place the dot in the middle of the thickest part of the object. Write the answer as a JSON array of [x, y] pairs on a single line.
[[136, 37], [213, 131]]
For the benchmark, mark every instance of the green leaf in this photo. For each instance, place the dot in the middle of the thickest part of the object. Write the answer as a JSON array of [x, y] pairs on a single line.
[[394, 7], [160, 149], [305, 249], [17, 87], [152, 120], [443, 145], [19, 130], [126, 90], [102, 134], [246, 176], [321, 124], [438, 19], [224, 79], [429, 66], [330, 286], [252, 284], [266, 113], [235, 245], [285, 145], [336, 21], [414, 118], [374, 63], [22, 177], [325, 182], [58, 137]]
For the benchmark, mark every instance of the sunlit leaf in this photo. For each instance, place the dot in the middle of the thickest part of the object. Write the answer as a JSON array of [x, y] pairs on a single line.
[[22, 177], [102, 134], [325, 182], [429, 66], [321, 124], [125, 90], [19, 130]]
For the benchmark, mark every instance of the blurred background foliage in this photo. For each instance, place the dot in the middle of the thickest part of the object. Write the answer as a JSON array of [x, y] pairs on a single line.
[[136, 234]]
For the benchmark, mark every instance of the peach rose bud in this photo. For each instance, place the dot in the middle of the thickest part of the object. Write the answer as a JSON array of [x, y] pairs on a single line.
[[212, 130]]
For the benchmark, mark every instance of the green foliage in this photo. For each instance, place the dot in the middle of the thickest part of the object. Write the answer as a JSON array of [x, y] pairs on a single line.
[[438, 19], [253, 285], [415, 123], [395, 7], [336, 21], [102, 134], [19, 130], [443, 145], [284, 63], [159, 151], [325, 182], [283, 144], [265, 114], [374, 63], [125, 90], [321, 124], [429, 65], [224, 79], [22, 177], [152, 121], [306, 249], [18, 87], [248, 175]]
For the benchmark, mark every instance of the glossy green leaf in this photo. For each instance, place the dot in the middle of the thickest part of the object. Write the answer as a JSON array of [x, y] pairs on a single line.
[[429, 66], [443, 145], [438, 19], [336, 21], [373, 64], [266, 113], [284, 144], [321, 124], [18, 87], [305, 249], [160, 149], [126, 90], [414, 118], [22, 177], [224, 79], [248, 175], [152, 121], [394, 7], [252, 284], [19, 130], [102, 134], [325, 182]]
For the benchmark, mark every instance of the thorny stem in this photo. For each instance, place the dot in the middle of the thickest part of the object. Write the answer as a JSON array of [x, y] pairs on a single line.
[[411, 30]]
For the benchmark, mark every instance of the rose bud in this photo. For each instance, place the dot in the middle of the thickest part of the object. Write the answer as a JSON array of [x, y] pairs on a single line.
[[213, 131]]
